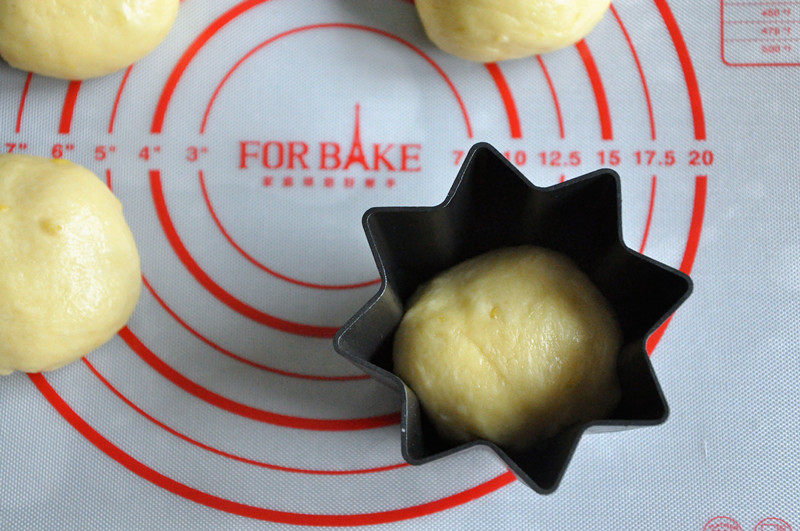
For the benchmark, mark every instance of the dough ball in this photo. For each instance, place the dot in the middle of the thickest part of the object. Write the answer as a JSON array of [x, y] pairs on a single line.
[[69, 270], [511, 346], [79, 39], [495, 30]]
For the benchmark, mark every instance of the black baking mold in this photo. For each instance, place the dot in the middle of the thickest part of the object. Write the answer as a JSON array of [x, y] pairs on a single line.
[[491, 205]]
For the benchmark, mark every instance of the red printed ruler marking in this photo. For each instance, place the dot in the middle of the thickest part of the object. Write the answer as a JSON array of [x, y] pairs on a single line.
[[754, 33], [504, 81]]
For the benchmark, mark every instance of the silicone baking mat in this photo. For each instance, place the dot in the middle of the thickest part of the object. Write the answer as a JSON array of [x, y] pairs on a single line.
[[245, 150]]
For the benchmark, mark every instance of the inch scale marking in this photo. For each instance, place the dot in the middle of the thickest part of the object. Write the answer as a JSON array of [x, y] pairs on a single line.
[[759, 33], [246, 229]]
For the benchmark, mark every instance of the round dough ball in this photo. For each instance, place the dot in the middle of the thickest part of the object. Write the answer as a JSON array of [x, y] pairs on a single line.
[[69, 270], [511, 346], [80, 39], [495, 30]]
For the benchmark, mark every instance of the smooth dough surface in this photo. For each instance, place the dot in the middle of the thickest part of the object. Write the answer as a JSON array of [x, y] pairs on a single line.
[[496, 30], [80, 39], [69, 269], [511, 346]]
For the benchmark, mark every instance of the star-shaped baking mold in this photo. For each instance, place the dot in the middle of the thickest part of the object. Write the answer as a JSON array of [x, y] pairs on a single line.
[[491, 205]]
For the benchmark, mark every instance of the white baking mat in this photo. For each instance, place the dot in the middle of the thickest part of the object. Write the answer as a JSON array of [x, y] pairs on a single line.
[[223, 405]]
